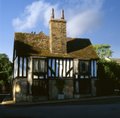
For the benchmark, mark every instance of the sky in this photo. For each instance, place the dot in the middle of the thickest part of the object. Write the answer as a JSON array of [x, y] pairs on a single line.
[[98, 20]]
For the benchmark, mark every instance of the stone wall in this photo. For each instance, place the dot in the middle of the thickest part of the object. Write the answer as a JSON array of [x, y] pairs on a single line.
[[52, 90], [67, 91], [20, 90]]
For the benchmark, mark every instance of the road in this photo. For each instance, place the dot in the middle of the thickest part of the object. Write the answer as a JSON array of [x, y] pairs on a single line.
[[61, 111]]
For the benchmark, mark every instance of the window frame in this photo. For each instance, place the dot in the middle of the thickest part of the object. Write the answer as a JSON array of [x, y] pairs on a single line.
[[39, 74], [86, 70]]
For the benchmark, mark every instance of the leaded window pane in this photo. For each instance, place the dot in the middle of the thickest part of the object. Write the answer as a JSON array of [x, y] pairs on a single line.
[[39, 65], [84, 67], [35, 65]]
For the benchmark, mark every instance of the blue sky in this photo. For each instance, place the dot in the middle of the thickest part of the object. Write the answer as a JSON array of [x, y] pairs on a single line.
[[98, 20]]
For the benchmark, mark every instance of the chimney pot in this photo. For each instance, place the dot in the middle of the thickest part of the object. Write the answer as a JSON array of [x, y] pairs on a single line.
[[52, 15], [62, 14]]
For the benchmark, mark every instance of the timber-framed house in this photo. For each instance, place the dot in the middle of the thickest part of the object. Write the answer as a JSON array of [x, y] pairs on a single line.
[[44, 64]]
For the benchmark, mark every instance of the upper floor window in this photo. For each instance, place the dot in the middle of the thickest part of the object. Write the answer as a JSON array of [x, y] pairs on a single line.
[[83, 67], [39, 65]]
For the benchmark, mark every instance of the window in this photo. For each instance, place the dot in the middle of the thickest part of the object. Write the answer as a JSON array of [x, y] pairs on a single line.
[[39, 65], [42, 66], [84, 67], [35, 65]]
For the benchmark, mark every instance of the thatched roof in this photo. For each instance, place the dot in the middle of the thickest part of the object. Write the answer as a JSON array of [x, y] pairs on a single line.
[[81, 48], [29, 44]]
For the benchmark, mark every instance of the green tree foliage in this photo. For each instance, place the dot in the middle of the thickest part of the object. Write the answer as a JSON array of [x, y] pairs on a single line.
[[103, 50], [108, 69], [5, 69]]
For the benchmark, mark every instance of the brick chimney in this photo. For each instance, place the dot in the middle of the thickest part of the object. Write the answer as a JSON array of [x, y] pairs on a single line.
[[57, 34]]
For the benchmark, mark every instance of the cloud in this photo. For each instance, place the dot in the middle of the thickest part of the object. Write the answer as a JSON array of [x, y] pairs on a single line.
[[37, 11], [83, 22], [82, 15], [85, 17]]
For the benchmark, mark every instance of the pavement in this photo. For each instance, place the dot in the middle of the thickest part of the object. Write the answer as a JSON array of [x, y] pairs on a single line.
[[80, 101]]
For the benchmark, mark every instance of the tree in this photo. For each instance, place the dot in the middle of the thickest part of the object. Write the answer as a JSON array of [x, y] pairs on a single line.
[[103, 50], [5, 69], [108, 69], [108, 77]]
